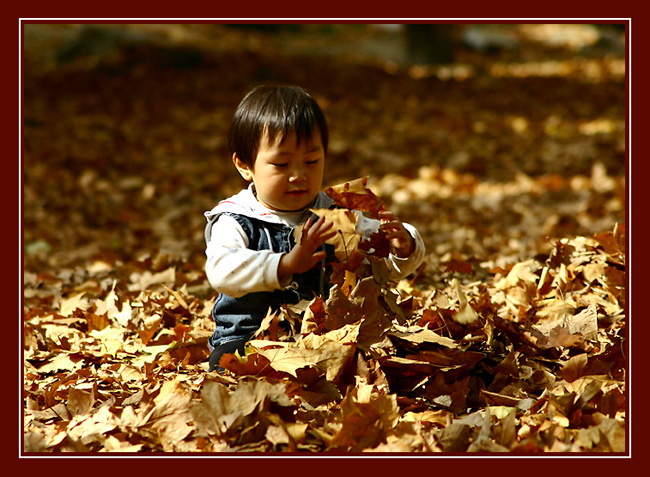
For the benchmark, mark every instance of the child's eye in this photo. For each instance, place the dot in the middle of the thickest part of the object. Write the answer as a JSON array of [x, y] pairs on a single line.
[[280, 165], [315, 161]]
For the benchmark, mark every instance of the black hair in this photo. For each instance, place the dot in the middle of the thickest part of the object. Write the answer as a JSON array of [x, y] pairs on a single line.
[[276, 111]]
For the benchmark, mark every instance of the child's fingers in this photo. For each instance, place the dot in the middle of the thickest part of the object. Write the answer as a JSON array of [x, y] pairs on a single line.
[[387, 216], [393, 233], [320, 224], [319, 229], [323, 237], [400, 237], [315, 234], [310, 226], [393, 226], [312, 230], [305, 230], [389, 221]]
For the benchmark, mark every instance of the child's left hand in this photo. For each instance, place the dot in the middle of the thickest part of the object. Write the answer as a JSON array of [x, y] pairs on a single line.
[[401, 241]]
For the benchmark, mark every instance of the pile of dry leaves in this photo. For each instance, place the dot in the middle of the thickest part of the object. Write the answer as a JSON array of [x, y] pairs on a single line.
[[530, 360]]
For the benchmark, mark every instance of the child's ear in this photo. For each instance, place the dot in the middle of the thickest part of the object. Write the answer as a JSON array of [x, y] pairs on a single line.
[[242, 167]]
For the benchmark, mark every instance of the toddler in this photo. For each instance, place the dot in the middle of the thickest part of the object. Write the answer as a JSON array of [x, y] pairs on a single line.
[[278, 140]]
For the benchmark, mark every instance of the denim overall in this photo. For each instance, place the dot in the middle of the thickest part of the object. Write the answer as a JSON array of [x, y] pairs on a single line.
[[237, 319]]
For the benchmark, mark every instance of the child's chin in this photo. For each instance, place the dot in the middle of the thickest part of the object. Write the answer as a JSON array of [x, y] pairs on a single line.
[[296, 202]]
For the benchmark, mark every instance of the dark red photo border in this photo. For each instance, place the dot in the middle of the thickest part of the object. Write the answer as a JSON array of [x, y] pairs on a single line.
[[305, 13]]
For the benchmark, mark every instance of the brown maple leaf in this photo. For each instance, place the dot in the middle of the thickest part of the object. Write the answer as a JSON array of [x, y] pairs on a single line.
[[356, 195], [345, 222]]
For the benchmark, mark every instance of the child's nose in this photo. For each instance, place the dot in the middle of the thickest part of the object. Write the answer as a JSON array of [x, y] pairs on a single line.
[[297, 174]]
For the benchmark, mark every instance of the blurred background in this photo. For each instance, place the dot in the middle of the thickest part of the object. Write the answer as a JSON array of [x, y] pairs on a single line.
[[493, 139]]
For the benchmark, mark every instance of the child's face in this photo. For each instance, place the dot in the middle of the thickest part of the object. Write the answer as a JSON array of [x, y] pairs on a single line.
[[287, 176]]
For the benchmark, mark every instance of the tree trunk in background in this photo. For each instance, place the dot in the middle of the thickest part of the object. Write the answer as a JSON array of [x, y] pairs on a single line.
[[430, 43]]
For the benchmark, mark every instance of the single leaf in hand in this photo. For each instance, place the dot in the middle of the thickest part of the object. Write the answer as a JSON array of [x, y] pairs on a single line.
[[357, 196], [346, 239]]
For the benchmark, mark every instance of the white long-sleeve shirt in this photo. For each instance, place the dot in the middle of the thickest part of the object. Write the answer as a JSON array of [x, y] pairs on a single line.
[[235, 270]]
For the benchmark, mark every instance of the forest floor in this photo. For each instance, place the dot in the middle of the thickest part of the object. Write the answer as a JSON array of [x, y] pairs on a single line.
[[510, 161]]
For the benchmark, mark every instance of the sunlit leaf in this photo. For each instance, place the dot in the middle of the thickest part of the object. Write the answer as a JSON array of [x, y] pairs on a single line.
[[355, 195]]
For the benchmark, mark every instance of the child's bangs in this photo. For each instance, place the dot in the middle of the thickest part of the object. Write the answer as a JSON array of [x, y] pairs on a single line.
[[278, 128]]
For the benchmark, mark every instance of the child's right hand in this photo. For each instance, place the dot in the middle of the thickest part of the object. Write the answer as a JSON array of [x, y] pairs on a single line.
[[305, 255]]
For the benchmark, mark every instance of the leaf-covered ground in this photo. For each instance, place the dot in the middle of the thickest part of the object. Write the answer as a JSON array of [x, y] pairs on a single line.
[[511, 163]]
